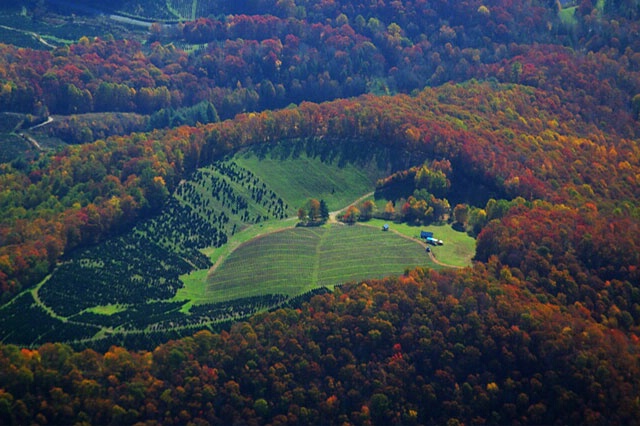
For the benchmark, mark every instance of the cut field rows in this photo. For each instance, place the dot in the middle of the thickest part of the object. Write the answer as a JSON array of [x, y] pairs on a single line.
[[297, 260]]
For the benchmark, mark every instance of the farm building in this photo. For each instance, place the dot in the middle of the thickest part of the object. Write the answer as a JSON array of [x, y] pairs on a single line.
[[428, 237]]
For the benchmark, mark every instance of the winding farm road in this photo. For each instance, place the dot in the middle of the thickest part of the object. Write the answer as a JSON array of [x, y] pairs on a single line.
[[333, 216], [32, 34]]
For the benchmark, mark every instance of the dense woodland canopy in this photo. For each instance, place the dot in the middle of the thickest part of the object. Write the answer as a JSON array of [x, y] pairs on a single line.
[[539, 109], [426, 348]]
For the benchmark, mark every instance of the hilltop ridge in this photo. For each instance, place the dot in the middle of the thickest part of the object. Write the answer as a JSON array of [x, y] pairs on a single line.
[[512, 124]]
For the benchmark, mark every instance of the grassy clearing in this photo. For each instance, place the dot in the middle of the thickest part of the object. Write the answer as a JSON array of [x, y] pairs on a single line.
[[195, 283], [283, 262], [239, 206], [351, 253], [568, 17], [107, 309], [295, 178], [298, 178], [297, 260], [458, 249]]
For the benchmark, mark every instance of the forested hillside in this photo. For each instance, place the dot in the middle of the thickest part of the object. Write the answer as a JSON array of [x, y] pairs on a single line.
[[526, 112], [250, 59], [425, 348]]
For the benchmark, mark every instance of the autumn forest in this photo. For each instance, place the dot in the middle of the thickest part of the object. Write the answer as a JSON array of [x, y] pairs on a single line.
[[132, 135]]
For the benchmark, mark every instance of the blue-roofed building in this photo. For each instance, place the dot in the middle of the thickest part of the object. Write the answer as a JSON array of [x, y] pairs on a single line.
[[428, 237], [425, 234]]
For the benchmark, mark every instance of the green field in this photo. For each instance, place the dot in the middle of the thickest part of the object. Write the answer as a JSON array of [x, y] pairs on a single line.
[[195, 282], [225, 246], [281, 260], [296, 260], [567, 16], [458, 248], [297, 178], [107, 309]]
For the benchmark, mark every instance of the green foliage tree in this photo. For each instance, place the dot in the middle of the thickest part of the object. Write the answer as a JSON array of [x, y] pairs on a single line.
[[434, 181], [635, 101], [477, 220], [324, 210]]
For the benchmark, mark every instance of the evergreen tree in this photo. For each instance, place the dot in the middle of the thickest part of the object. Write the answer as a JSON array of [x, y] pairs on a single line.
[[324, 210]]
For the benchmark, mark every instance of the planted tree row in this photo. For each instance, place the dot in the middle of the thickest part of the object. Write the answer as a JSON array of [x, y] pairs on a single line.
[[125, 270], [258, 190], [179, 228], [141, 268], [237, 308], [27, 323]]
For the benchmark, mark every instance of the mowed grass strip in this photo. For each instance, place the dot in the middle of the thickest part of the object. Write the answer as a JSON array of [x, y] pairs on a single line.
[[294, 261]]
